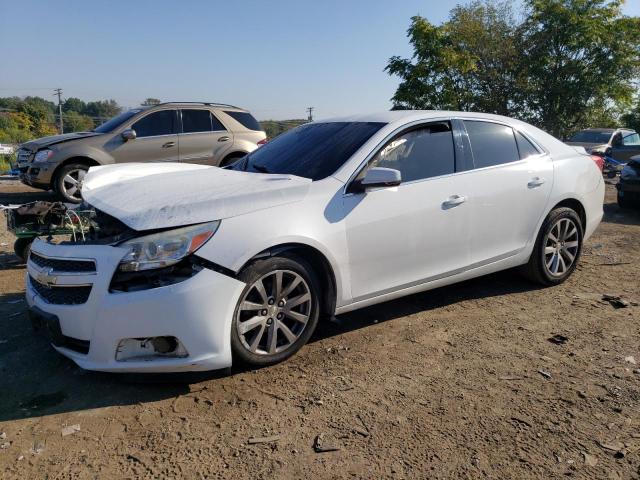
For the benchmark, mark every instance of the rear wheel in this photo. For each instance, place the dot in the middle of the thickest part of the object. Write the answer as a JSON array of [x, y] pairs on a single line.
[[232, 158], [557, 248], [277, 311], [68, 182]]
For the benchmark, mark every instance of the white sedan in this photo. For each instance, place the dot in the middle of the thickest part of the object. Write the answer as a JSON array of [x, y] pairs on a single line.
[[196, 267]]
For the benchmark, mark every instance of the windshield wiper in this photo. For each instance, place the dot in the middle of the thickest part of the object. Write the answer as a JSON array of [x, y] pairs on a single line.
[[260, 168]]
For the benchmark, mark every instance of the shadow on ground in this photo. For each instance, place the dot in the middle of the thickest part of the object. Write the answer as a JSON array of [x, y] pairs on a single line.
[[37, 381]]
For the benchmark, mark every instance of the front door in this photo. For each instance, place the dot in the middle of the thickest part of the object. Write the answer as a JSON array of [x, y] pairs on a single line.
[[508, 190], [156, 140], [418, 231], [203, 139]]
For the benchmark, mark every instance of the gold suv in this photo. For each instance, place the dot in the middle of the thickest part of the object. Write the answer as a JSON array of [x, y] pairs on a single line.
[[193, 132]]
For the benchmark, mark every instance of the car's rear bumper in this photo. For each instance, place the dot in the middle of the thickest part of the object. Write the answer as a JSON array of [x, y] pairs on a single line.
[[197, 311]]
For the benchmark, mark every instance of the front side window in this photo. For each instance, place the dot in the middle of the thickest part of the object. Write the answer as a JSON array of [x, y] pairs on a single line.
[[491, 143], [420, 153], [157, 123], [194, 121], [115, 122]]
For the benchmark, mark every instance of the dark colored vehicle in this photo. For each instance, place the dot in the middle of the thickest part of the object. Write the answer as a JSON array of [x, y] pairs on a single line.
[[618, 144], [629, 184]]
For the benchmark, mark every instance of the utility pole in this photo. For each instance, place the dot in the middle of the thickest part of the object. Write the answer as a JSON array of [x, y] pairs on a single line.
[[58, 91], [310, 111]]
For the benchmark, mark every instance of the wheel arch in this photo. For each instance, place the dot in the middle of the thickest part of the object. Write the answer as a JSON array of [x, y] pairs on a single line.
[[575, 205], [319, 262], [90, 162]]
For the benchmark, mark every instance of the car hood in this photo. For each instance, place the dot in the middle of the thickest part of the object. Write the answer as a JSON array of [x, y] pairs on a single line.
[[39, 143], [151, 196]]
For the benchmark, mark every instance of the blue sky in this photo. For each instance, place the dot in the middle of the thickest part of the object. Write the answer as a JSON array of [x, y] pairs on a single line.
[[274, 57]]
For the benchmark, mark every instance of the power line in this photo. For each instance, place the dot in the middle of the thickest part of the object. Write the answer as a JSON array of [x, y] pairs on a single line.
[[310, 112], [58, 91]]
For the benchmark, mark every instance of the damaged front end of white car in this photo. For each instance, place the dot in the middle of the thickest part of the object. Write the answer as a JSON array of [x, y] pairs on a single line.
[[130, 292]]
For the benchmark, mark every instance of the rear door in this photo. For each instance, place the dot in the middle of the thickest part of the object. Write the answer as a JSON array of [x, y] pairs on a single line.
[[509, 187], [156, 139], [625, 145], [203, 138]]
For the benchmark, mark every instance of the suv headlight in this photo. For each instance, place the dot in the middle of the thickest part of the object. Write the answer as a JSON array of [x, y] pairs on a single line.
[[165, 248], [43, 155], [628, 173]]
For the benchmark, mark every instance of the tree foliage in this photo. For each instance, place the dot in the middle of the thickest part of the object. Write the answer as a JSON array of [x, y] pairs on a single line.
[[565, 64], [150, 102]]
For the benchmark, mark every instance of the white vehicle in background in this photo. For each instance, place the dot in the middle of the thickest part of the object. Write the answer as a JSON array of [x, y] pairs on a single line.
[[195, 267], [6, 149]]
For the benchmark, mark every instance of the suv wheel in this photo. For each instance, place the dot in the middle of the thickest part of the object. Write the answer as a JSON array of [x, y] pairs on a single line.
[[232, 158], [68, 182], [557, 249], [277, 311]]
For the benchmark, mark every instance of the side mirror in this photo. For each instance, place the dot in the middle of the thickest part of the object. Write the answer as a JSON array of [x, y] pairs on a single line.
[[379, 177], [128, 134]]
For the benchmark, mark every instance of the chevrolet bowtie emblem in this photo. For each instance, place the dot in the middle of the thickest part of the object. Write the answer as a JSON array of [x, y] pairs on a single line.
[[46, 278]]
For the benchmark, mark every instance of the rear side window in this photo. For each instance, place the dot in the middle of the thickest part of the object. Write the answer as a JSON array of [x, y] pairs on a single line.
[[246, 119], [194, 121], [419, 153], [491, 143], [525, 147], [158, 123]]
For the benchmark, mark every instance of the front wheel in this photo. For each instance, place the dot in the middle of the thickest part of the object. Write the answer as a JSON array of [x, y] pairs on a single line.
[[277, 311], [557, 248], [68, 182]]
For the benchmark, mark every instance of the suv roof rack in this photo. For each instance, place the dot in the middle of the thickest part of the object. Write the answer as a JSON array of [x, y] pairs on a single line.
[[210, 104]]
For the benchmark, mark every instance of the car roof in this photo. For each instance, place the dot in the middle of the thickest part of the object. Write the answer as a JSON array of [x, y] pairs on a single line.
[[394, 116], [226, 106]]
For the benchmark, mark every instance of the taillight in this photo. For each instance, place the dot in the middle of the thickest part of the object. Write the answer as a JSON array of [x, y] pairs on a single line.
[[599, 161], [263, 141]]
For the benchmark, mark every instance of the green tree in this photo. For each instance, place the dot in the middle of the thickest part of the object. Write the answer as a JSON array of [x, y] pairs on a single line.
[[76, 122], [102, 109], [15, 127], [150, 102], [631, 119], [566, 65], [467, 63], [580, 56], [73, 104]]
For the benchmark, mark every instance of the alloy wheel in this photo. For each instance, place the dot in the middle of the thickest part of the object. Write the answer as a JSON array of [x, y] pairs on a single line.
[[72, 182], [561, 247], [274, 312]]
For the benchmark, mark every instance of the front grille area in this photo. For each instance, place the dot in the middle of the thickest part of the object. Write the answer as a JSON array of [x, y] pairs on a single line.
[[61, 295], [63, 264], [24, 155]]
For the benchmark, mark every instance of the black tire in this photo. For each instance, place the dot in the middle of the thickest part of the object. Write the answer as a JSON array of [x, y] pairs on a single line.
[[231, 158], [59, 182], [22, 247], [252, 274], [536, 269], [623, 202]]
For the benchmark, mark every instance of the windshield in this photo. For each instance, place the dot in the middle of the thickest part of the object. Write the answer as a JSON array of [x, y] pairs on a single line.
[[314, 150], [589, 136], [116, 121]]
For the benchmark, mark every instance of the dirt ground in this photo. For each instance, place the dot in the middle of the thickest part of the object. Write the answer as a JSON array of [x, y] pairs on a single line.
[[459, 382]]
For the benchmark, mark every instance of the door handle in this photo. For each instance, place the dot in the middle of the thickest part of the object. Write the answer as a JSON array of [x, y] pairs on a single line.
[[453, 201], [223, 139], [535, 182], [168, 144]]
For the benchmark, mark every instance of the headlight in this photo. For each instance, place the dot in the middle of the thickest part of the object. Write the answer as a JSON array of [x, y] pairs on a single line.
[[165, 248], [43, 155], [627, 173]]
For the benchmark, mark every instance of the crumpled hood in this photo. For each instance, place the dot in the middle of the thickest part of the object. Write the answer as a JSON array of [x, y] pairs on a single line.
[[39, 143], [146, 196]]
